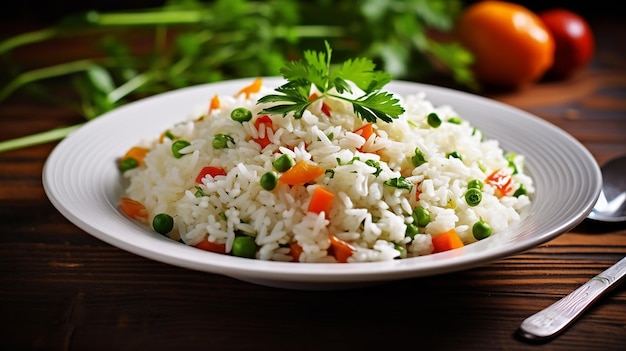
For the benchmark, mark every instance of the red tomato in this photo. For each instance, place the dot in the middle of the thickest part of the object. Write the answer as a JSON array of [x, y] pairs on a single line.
[[573, 38]]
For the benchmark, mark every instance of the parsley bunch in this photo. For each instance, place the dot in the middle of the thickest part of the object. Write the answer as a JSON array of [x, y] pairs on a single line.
[[316, 70]]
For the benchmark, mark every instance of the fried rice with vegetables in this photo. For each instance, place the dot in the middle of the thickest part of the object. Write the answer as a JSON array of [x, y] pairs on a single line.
[[313, 172]]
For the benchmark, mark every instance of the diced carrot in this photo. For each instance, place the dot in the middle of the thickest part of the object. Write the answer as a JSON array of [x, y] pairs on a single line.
[[302, 172], [366, 131], [132, 208], [266, 121], [138, 153], [325, 107], [418, 191], [340, 249], [447, 241], [502, 182], [211, 246], [255, 87], [296, 251], [321, 200], [209, 170], [215, 103]]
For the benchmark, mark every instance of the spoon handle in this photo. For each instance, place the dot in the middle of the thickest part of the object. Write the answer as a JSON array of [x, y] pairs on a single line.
[[552, 320]]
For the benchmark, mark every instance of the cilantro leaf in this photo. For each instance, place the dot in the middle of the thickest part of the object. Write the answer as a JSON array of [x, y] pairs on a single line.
[[292, 92], [315, 70], [381, 105], [359, 71]]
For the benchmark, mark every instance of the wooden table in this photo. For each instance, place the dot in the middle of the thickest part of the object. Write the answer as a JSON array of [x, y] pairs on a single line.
[[62, 289]]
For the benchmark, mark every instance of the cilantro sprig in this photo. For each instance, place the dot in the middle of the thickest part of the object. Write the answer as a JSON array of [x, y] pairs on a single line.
[[316, 70]]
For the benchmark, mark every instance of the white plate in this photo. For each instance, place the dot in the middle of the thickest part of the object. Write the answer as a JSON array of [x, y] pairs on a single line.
[[82, 181]]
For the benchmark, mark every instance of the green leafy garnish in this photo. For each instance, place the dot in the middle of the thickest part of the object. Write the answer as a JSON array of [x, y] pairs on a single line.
[[400, 183], [316, 71]]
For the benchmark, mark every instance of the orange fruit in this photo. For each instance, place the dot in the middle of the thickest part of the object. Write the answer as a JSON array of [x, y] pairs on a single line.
[[512, 47]]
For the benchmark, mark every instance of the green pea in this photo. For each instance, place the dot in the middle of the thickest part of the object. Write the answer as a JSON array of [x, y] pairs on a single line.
[[481, 230], [163, 223], [179, 145], [473, 197], [411, 230], [241, 114], [283, 163], [520, 191], [269, 180], [421, 217], [220, 141], [128, 163], [433, 120], [244, 246], [475, 184]]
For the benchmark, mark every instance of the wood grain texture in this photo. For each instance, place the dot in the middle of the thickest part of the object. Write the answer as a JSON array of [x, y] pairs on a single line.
[[62, 289]]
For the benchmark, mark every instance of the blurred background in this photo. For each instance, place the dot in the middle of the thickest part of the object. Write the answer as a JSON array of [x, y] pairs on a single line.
[[101, 54], [53, 10]]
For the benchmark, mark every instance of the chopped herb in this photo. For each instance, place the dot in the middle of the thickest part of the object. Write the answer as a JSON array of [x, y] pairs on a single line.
[[510, 157], [454, 120], [520, 191], [454, 154], [400, 183], [376, 165], [418, 159], [199, 192]]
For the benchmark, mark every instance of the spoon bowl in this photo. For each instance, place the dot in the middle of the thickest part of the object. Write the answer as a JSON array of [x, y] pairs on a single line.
[[611, 205]]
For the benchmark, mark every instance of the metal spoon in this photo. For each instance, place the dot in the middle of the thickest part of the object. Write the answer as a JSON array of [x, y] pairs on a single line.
[[610, 207]]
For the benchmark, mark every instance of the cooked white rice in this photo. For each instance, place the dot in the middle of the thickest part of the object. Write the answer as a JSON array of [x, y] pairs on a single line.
[[365, 212]]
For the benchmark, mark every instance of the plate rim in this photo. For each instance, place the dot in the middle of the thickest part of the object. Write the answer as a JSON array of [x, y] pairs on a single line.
[[315, 273]]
